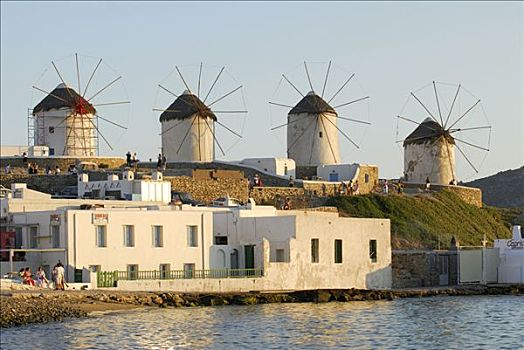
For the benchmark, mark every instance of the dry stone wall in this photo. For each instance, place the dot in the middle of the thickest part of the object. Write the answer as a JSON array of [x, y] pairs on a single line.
[[63, 162], [42, 183], [206, 190]]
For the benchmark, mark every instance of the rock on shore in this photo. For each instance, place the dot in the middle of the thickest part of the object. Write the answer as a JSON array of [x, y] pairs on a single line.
[[19, 308]]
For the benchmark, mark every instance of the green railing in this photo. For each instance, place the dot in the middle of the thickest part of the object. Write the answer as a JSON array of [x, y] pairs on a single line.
[[110, 278]]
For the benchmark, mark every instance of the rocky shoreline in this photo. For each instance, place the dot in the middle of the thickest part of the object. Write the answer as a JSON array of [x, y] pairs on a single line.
[[25, 307]]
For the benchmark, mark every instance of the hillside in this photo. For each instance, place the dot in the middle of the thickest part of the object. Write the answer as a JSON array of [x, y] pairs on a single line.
[[504, 189], [422, 221]]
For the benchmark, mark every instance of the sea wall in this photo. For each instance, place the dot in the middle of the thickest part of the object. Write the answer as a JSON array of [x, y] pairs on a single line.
[[418, 268]]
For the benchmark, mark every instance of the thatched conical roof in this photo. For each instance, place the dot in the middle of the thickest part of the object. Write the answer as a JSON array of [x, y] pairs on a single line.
[[312, 103], [64, 96], [185, 106], [428, 130]]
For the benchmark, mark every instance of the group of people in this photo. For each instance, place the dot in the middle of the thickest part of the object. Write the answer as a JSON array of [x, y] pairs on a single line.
[[131, 160], [161, 162], [348, 188], [40, 280]]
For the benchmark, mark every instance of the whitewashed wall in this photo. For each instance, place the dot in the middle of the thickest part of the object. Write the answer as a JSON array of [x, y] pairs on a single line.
[[174, 131]]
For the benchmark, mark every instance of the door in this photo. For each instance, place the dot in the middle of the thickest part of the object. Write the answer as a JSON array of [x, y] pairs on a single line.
[[249, 251], [189, 270], [333, 177], [443, 270]]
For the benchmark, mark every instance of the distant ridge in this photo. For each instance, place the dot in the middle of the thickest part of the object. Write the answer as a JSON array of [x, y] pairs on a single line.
[[504, 189]]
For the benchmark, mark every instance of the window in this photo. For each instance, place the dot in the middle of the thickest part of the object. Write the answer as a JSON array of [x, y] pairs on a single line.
[[164, 271], [220, 240], [373, 250], [95, 268], [192, 236], [280, 255], [132, 272], [129, 236], [101, 236], [189, 270], [55, 236], [33, 236], [338, 251], [314, 250], [320, 134], [366, 178], [158, 236]]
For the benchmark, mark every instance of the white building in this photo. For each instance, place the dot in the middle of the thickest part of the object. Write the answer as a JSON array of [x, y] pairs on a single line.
[[64, 122], [312, 136], [511, 258], [338, 172], [429, 152], [274, 166], [196, 249], [188, 126], [154, 189]]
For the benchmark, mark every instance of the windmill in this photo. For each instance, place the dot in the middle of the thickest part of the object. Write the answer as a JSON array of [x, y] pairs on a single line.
[[189, 132], [313, 123], [449, 126], [67, 120]]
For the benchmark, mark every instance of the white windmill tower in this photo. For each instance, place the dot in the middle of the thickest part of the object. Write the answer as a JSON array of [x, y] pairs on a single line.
[[188, 125], [312, 125], [429, 150], [67, 120]]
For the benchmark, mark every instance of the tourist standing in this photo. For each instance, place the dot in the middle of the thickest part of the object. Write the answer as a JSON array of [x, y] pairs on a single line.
[[24, 160], [385, 188], [159, 162], [256, 181], [291, 182], [128, 159], [356, 188], [164, 162], [428, 184], [7, 168]]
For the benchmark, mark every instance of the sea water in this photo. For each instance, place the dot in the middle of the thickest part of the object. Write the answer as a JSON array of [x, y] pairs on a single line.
[[475, 322]]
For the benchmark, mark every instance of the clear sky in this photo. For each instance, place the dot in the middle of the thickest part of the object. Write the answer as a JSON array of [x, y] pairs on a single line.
[[393, 48]]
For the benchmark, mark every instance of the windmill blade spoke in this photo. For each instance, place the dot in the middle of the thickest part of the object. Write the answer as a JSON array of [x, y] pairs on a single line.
[[165, 110], [315, 119], [350, 102], [182, 78], [308, 77], [112, 103], [185, 136], [465, 113], [280, 104], [165, 89], [326, 79], [171, 128], [343, 133], [111, 122], [353, 120], [62, 79], [78, 73], [438, 103], [224, 96], [105, 87], [199, 79], [472, 145], [91, 78], [468, 129], [327, 135], [451, 108], [102, 135], [424, 106], [467, 159], [214, 137], [50, 94], [341, 88], [281, 126], [230, 112], [294, 87], [214, 82], [225, 127]]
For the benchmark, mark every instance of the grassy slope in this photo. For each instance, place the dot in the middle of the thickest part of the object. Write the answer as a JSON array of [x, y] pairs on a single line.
[[419, 222]]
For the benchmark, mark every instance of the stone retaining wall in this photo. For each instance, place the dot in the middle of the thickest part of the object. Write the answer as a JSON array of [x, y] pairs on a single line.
[[470, 195], [63, 162], [42, 183], [411, 269], [206, 190]]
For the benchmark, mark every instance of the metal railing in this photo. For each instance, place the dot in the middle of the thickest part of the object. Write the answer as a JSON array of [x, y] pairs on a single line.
[[110, 278]]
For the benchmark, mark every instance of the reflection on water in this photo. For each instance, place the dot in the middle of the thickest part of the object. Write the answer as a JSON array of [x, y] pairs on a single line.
[[433, 323]]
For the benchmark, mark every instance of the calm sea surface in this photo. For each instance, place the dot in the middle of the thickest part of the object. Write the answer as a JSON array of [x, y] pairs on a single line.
[[486, 322]]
